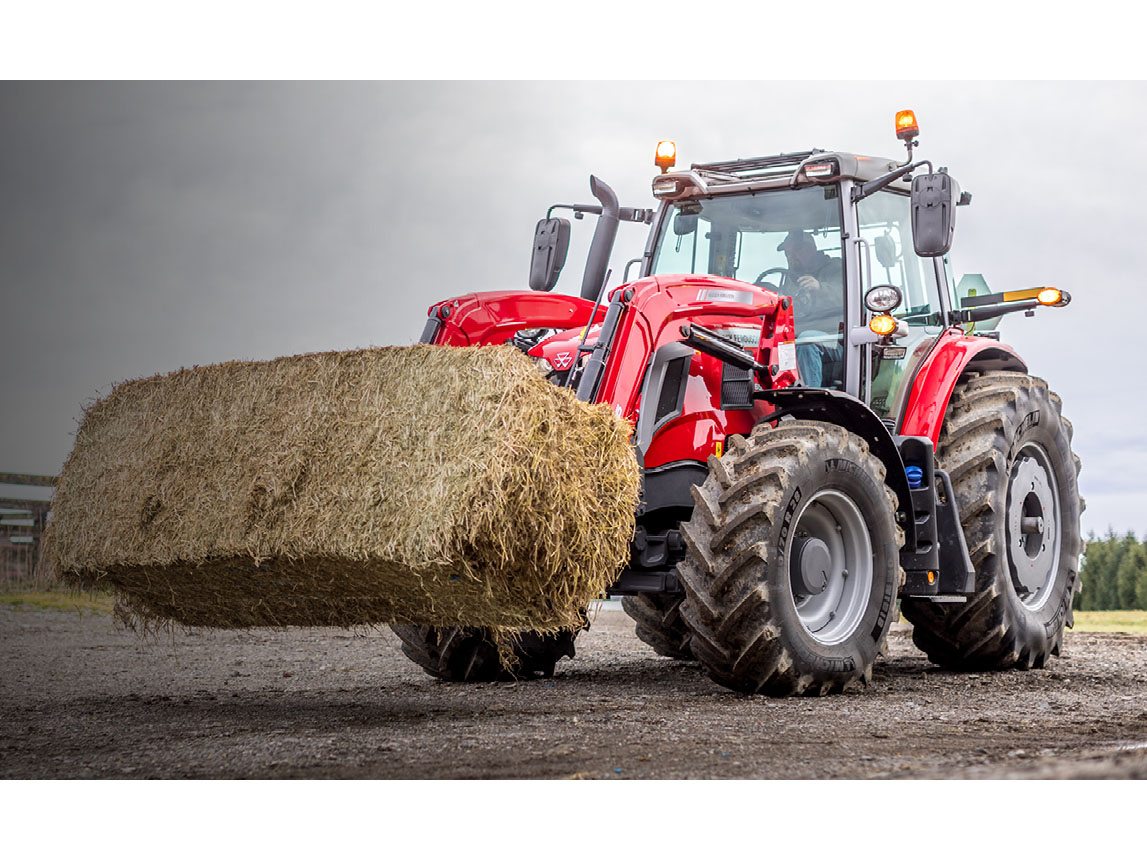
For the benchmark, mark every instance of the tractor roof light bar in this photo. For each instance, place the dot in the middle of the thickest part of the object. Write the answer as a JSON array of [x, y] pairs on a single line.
[[749, 165]]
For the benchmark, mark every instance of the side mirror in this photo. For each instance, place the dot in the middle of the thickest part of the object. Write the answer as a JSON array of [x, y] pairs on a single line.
[[551, 244], [933, 214]]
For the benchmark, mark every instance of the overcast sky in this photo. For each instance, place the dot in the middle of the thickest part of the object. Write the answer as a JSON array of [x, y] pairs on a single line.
[[146, 227]]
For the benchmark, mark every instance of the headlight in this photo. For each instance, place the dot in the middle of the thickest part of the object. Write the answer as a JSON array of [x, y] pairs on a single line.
[[883, 300], [544, 366], [820, 170]]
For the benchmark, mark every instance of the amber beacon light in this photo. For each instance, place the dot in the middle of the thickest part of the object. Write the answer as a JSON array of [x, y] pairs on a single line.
[[666, 155], [906, 127]]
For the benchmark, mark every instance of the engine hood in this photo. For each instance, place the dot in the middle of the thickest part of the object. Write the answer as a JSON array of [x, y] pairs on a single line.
[[561, 348]]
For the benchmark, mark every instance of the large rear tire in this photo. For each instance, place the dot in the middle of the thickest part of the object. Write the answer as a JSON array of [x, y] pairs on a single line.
[[659, 624], [792, 562], [471, 654], [1008, 451]]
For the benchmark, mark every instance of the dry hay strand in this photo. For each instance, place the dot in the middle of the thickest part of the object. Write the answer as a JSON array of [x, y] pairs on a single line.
[[422, 484]]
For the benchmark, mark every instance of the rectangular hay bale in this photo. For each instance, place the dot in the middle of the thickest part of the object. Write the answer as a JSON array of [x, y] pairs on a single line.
[[427, 485]]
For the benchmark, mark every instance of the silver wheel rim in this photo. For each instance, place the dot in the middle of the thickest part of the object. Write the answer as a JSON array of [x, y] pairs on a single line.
[[1033, 526], [830, 566]]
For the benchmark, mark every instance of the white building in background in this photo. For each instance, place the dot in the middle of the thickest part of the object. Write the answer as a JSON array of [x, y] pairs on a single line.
[[25, 504]]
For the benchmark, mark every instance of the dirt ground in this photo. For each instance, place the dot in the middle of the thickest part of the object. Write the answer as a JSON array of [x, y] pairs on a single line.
[[80, 697]]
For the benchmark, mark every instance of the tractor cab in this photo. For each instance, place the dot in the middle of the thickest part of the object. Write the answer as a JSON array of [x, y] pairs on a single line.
[[814, 226]]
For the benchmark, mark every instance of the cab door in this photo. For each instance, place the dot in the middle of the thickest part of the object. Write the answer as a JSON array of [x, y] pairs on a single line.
[[885, 225]]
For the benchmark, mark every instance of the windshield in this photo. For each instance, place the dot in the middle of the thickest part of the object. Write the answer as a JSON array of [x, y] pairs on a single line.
[[786, 240]]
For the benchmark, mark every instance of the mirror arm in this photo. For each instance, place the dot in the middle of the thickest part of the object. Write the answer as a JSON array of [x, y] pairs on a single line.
[[580, 210], [625, 213], [636, 216], [859, 192]]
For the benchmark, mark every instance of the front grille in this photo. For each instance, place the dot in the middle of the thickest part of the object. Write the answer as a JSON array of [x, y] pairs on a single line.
[[736, 388]]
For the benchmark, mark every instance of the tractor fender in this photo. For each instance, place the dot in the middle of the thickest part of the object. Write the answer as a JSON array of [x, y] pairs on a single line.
[[844, 410], [953, 354]]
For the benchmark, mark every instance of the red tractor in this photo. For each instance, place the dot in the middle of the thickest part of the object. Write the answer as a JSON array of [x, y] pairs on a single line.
[[827, 424]]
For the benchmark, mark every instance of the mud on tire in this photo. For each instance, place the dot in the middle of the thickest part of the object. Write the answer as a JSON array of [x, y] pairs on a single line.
[[470, 653], [659, 623], [741, 599], [993, 424]]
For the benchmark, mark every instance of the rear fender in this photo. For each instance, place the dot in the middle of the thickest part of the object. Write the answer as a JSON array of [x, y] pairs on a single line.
[[494, 317], [954, 354]]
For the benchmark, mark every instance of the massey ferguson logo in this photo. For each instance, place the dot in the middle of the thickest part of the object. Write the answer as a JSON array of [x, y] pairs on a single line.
[[563, 360]]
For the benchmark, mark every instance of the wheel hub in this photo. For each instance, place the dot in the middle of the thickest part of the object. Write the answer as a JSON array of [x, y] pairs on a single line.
[[811, 562], [1032, 526], [830, 566]]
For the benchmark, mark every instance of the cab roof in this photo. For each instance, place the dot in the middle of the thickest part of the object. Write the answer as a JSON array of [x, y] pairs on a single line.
[[776, 171]]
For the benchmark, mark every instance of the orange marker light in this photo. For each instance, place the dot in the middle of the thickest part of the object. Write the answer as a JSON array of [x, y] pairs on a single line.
[[1049, 296], [906, 127], [666, 155], [882, 324]]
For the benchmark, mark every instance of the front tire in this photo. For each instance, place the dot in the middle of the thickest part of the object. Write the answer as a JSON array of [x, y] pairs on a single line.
[[471, 653], [1008, 451], [792, 562], [659, 624]]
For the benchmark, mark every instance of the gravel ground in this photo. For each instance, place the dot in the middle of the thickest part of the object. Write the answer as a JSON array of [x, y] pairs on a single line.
[[80, 697]]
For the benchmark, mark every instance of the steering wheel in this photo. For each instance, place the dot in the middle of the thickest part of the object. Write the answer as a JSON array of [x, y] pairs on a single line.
[[802, 300], [784, 273]]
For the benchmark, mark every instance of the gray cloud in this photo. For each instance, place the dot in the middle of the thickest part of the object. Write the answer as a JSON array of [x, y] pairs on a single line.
[[144, 227]]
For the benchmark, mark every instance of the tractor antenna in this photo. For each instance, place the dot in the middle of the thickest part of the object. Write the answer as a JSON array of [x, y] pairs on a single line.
[[581, 343]]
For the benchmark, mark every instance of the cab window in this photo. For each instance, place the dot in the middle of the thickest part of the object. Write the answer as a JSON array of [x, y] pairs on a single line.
[[886, 227]]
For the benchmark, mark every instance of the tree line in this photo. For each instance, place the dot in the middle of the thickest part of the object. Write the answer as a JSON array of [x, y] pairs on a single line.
[[1114, 573]]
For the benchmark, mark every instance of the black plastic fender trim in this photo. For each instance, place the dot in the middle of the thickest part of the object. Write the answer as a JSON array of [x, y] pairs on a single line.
[[844, 410]]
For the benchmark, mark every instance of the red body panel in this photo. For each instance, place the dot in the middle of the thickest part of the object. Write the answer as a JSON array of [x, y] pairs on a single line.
[[653, 316], [658, 308], [936, 379]]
